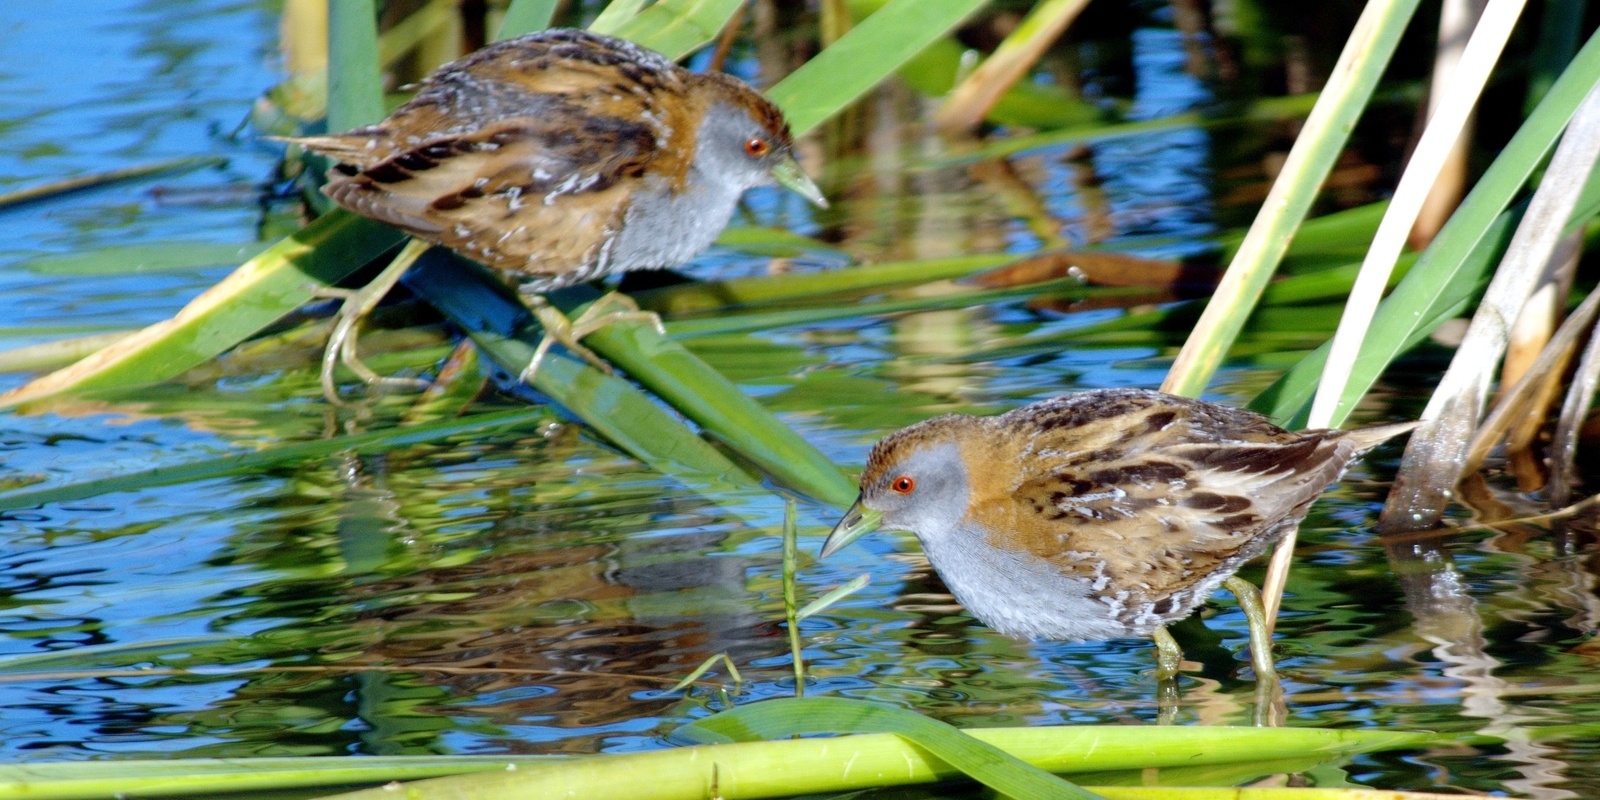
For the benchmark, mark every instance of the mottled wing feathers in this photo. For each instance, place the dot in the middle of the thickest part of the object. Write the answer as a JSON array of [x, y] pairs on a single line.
[[491, 141], [492, 196]]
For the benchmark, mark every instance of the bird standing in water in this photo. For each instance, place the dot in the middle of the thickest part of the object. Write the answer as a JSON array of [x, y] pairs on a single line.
[[555, 158], [1102, 514]]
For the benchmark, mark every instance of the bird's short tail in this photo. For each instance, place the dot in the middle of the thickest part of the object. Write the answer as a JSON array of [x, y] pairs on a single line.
[[1367, 438]]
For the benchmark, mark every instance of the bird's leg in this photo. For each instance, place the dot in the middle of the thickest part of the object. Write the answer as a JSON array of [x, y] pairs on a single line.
[[346, 327], [1168, 655], [609, 309], [1260, 638]]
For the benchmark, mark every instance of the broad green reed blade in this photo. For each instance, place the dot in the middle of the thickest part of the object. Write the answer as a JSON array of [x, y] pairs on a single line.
[[1456, 263], [502, 326], [676, 28], [615, 15], [355, 85], [253, 462], [1315, 150], [282, 278], [161, 256], [526, 16], [870, 52], [59, 352], [975, 758]]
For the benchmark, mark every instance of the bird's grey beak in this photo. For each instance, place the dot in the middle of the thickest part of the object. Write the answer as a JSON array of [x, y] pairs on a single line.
[[789, 175], [858, 522]]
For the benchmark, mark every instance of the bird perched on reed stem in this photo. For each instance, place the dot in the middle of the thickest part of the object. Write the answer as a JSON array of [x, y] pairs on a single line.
[[559, 157], [1102, 514]]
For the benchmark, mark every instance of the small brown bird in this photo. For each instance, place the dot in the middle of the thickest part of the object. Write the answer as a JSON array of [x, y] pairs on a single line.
[[563, 156], [1101, 514]]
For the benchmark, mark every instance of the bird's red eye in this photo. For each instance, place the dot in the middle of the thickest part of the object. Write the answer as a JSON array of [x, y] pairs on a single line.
[[757, 147], [903, 484]]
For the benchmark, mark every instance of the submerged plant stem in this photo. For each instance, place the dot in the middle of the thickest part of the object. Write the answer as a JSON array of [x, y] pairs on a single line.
[[790, 608]]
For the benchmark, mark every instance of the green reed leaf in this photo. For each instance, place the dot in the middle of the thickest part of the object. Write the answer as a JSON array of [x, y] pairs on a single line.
[[676, 28], [870, 52]]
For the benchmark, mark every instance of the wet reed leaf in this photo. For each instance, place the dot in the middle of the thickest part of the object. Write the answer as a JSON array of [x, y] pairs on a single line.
[[502, 326], [282, 278], [1455, 265], [719, 406], [58, 353], [1065, 749]]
